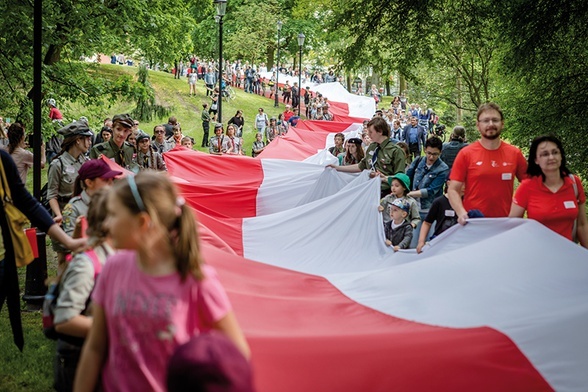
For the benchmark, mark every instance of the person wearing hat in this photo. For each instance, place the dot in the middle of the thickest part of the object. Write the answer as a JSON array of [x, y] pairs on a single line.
[[398, 231], [219, 144], [399, 188], [147, 158], [209, 362], [54, 113], [353, 152], [453, 146], [287, 113], [117, 148], [94, 174], [63, 171]]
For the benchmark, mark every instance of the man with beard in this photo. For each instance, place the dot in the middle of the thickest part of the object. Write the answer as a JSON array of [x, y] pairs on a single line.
[[488, 168]]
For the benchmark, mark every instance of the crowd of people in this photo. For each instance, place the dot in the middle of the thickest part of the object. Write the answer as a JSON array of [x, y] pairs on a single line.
[[155, 287], [93, 217], [416, 167]]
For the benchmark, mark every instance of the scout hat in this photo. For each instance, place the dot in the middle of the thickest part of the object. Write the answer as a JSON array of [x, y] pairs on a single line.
[[75, 128], [123, 119], [355, 140], [142, 136]]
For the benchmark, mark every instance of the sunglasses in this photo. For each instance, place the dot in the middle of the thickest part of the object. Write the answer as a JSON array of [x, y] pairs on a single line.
[[159, 132]]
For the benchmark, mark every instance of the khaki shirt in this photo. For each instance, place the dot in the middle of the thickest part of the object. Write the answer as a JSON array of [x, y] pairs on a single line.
[[389, 161], [215, 142], [63, 172], [77, 206], [163, 147], [152, 160]]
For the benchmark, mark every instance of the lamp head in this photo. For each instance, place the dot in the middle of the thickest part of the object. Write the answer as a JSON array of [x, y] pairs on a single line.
[[221, 7], [301, 39]]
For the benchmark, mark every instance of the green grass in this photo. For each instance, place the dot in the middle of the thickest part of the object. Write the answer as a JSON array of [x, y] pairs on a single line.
[[32, 370], [174, 93]]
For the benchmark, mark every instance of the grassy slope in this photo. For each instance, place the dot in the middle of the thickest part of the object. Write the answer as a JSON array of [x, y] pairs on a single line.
[[174, 93], [32, 369]]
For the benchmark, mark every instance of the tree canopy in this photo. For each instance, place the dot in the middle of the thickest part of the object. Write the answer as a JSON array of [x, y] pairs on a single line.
[[529, 56]]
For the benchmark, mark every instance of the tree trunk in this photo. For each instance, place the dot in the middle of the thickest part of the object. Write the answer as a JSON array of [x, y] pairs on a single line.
[[402, 84], [459, 114], [270, 57]]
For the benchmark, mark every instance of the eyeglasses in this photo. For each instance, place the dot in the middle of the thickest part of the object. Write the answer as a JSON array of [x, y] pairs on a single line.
[[547, 154], [432, 154], [490, 120], [159, 132]]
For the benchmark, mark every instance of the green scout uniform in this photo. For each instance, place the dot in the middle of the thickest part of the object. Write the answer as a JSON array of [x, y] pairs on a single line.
[[123, 156], [386, 158]]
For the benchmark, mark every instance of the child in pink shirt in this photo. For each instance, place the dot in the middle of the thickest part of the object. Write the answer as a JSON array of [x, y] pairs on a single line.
[[153, 297]]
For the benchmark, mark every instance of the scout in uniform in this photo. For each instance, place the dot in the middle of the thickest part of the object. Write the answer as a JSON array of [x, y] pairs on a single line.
[[219, 144], [382, 157], [117, 148]]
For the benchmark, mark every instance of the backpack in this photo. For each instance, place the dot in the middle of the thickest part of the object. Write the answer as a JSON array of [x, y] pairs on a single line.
[[43, 196], [50, 302]]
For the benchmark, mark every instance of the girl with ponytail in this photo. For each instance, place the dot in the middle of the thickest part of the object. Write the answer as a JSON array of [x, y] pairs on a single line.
[[155, 294]]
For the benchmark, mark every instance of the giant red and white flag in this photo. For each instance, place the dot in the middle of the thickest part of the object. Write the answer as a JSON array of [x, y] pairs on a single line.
[[500, 304]]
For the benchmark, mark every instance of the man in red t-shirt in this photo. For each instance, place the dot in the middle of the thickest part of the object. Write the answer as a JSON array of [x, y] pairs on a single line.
[[288, 113], [488, 168]]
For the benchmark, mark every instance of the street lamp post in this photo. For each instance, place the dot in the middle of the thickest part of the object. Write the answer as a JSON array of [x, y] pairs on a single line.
[[276, 104], [221, 8], [300, 44]]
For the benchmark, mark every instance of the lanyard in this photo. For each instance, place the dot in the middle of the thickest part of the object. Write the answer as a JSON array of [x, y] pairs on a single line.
[[121, 157], [375, 158]]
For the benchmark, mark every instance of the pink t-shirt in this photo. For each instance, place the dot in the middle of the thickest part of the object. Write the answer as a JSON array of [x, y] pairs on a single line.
[[147, 317]]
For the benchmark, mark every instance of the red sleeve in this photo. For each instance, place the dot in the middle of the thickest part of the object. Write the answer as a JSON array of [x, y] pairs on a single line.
[[460, 166], [521, 196]]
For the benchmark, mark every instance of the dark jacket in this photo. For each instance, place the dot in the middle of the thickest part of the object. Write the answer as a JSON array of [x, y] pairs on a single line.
[[401, 236], [39, 218]]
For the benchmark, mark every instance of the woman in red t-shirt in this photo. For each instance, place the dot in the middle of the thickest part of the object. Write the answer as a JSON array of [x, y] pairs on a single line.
[[551, 195]]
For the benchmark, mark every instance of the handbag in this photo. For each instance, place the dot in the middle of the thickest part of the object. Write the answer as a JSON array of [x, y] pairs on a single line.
[[17, 221]]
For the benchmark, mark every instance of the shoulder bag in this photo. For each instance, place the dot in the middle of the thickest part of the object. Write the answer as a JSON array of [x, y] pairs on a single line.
[[17, 221]]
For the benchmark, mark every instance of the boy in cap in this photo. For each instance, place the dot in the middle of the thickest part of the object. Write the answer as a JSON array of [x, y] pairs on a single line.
[[117, 148], [398, 231], [399, 188], [147, 158]]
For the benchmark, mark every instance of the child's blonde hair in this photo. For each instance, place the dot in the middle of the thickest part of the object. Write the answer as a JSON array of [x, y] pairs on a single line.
[[153, 193]]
